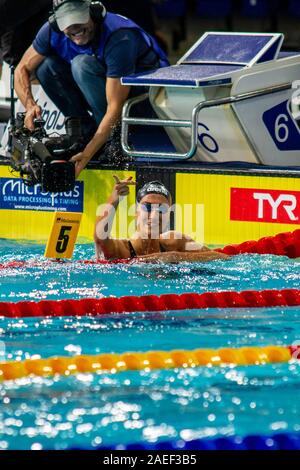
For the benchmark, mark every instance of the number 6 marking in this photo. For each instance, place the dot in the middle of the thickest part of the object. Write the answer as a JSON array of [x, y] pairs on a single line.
[[208, 137], [281, 128]]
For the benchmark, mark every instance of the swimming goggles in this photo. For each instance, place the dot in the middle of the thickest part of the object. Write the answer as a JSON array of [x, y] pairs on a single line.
[[148, 207]]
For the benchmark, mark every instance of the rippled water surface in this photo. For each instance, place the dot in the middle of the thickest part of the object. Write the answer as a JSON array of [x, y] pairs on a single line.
[[134, 406], [42, 279]]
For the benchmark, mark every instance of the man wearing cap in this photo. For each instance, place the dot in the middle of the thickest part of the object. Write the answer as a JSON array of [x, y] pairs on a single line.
[[152, 240], [79, 56]]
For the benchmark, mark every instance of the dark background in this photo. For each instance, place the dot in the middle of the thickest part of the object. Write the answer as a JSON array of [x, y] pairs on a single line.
[[176, 23]]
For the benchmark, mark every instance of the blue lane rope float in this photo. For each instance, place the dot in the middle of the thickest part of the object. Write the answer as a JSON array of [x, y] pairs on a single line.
[[280, 441]]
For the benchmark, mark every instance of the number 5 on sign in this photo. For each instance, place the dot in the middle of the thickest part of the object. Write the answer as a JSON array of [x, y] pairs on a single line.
[[63, 235]]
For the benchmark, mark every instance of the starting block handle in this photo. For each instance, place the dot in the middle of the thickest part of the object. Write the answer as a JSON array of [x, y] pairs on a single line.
[[193, 123]]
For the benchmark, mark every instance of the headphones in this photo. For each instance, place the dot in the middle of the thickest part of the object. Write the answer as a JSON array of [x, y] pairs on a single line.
[[97, 11]]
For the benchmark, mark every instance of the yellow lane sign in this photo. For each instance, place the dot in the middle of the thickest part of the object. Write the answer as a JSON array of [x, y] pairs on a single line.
[[63, 235]]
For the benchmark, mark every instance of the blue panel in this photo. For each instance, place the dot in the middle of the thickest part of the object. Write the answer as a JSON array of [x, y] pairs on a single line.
[[214, 8], [181, 75], [282, 128], [15, 195], [294, 8], [170, 8], [271, 53], [150, 139], [258, 8], [228, 48]]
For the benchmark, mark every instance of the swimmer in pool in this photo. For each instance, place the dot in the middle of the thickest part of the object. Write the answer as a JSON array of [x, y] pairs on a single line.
[[152, 241]]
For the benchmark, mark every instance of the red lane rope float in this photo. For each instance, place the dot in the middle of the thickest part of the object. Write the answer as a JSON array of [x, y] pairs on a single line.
[[151, 303], [148, 360], [283, 244]]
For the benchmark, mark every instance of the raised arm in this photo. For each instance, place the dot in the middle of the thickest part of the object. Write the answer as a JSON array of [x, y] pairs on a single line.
[[105, 217], [116, 95], [28, 64]]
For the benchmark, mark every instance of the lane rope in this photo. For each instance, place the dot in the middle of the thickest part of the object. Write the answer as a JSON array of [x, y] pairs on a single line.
[[151, 303], [282, 244], [150, 360]]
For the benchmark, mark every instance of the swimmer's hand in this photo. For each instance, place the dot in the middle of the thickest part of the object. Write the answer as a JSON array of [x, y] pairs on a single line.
[[178, 256], [121, 187]]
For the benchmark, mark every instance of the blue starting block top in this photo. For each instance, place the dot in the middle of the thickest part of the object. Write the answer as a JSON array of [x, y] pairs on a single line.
[[212, 60], [233, 48], [185, 75]]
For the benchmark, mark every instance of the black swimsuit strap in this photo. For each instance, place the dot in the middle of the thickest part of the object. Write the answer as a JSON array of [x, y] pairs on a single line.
[[162, 249], [131, 250]]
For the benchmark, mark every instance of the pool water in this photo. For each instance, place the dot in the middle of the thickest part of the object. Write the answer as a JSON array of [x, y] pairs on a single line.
[[51, 280], [89, 410]]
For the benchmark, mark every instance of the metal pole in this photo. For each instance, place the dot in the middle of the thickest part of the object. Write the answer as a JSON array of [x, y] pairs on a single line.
[[12, 107]]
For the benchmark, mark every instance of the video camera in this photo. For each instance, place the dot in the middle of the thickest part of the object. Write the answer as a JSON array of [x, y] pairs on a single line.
[[42, 158]]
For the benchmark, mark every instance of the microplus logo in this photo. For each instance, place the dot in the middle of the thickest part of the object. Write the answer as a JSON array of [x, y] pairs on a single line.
[[15, 195], [273, 206]]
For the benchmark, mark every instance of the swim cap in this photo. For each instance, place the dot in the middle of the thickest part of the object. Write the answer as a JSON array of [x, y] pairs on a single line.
[[153, 187]]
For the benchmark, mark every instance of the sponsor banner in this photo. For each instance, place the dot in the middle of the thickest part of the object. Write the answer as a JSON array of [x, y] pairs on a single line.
[[258, 205], [15, 195]]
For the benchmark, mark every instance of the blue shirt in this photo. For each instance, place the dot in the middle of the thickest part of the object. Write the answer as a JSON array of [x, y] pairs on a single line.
[[124, 49]]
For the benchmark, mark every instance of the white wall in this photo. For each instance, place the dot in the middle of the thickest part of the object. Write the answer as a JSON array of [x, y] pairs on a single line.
[[5, 82]]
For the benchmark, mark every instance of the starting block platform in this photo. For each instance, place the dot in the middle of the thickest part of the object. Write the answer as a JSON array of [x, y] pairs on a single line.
[[229, 98], [213, 59]]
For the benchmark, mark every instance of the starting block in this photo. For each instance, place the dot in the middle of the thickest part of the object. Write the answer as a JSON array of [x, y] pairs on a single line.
[[231, 98]]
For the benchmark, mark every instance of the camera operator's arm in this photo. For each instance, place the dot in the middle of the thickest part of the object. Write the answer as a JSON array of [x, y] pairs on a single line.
[[104, 219], [116, 95], [28, 64]]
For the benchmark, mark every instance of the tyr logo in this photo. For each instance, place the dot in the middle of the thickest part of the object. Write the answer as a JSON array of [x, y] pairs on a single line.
[[287, 201]]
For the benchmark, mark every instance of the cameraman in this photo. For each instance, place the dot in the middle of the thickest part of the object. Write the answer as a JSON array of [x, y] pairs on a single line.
[[79, 56]]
